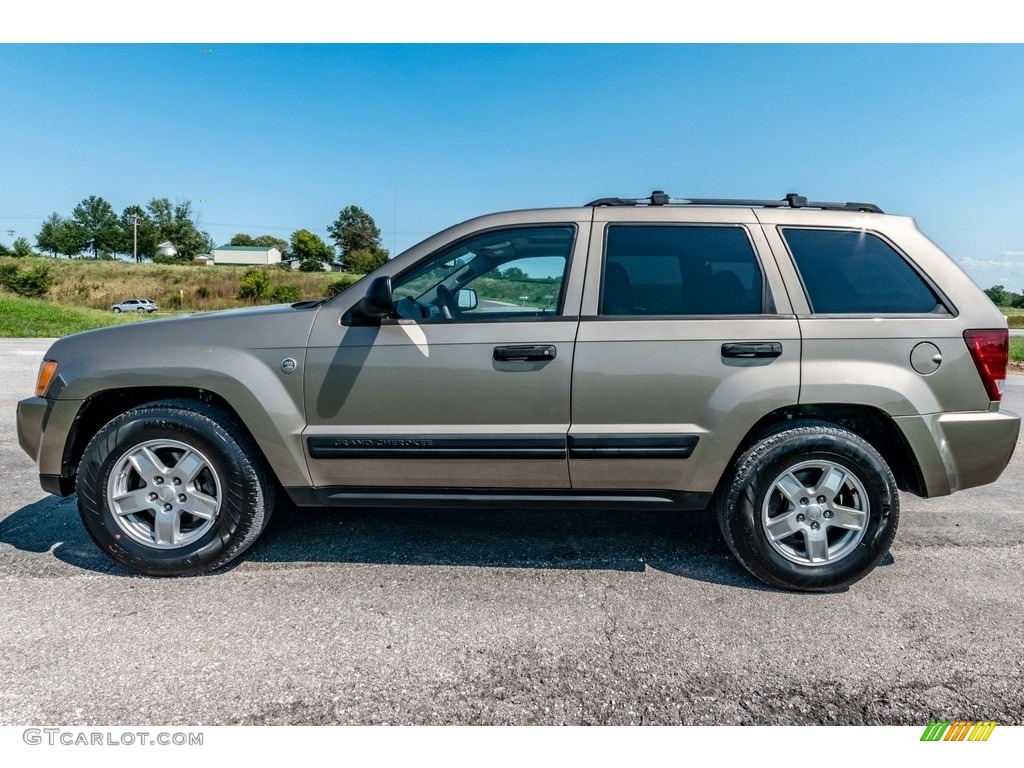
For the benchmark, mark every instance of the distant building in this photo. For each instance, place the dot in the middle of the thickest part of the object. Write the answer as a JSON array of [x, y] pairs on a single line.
[[166, 249], [203, 259], [246, 255]]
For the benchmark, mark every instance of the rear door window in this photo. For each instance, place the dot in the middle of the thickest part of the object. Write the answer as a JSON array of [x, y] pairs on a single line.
[[680, 270]]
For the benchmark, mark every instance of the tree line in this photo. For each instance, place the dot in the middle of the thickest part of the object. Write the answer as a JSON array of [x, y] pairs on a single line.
[[1004, 298], [94, 229]]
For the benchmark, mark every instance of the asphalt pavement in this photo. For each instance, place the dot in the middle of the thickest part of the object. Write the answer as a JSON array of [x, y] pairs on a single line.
[[504, 617]]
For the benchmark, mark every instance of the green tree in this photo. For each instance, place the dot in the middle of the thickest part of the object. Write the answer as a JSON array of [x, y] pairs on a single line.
[[22, 247], [139, 234], [353, 231], [98, 223], [47, 239], [242, 239], [176, 224], [70, 239], [365, 260], [310, 250], [998, 295]]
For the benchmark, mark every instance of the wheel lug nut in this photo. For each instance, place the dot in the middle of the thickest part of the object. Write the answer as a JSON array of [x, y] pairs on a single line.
[[177, 481], [152, 497], [158, 480], [800, 518], [181, 498], [803, 501], [828, 513], [821, 499], [167, 507], [815, 526]]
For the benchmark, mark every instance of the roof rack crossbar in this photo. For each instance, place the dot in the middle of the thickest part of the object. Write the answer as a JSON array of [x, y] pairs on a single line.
[[792, 200]]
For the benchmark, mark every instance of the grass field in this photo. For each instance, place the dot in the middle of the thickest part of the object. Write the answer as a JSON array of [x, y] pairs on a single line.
[[1017, 349], [28, 318]]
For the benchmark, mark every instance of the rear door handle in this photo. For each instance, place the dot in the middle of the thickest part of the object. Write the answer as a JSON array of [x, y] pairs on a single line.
[[752, 349], [525, 353]]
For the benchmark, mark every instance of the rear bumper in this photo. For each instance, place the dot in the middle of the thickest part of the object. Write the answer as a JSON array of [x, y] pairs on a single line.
[[960, 450]]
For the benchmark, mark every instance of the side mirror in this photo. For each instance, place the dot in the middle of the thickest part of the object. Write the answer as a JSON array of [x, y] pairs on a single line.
[[466, 298], [378, 302]]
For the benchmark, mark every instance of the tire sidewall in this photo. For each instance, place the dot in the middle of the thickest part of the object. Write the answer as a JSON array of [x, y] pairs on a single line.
[[852, 454], [107, 450]]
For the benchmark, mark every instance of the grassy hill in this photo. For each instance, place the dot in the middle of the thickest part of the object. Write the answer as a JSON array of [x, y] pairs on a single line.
[[98, 284]]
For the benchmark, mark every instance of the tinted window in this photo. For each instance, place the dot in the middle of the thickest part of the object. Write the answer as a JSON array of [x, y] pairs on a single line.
[[856, 272], [679, 270]]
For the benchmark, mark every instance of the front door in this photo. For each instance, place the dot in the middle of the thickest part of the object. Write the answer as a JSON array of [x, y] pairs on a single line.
[[467, 385]]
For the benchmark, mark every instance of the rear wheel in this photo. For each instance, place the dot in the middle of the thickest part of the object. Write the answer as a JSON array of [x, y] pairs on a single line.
[[810, 507], [117, 310], [173, 488]]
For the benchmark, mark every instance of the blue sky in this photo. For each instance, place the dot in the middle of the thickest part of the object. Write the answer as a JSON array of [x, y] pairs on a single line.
[[272, 138]]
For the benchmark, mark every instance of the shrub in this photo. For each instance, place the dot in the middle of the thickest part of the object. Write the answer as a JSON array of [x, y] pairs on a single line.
[[255, 284], [284, 294], [339, 284], [202, 292], [32, 282]]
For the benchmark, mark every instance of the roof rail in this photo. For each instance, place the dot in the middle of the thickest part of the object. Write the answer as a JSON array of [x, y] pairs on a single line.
[[792, 200]]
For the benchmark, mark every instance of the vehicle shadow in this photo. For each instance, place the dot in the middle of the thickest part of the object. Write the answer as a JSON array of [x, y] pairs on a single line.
[[686, 544]]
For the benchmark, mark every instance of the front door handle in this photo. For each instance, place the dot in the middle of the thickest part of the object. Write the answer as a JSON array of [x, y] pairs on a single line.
[[525, 353], [752, 349]]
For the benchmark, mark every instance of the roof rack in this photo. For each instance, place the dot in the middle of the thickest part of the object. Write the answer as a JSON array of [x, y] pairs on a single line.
[[792, 200]]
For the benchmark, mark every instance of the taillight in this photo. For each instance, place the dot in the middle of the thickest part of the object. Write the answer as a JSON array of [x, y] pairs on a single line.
[[990, 349]]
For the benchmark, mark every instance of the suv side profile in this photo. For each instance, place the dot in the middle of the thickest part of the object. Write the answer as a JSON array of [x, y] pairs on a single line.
[[796, 364], [134, 305]]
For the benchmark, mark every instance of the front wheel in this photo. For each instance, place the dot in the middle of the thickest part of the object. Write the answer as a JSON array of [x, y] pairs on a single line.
[[117, 310], [173, 488], [811, 507]]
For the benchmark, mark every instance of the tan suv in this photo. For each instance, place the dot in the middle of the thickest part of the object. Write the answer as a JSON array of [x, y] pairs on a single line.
[[792, 362]]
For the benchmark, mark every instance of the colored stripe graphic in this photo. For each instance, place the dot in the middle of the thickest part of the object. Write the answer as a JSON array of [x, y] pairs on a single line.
[[958, 730], [982, 731]]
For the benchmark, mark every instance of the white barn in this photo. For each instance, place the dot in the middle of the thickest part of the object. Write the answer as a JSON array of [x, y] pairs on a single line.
[[246, 255]]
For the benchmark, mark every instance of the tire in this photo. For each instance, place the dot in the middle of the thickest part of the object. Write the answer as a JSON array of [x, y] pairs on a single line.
[[141, 309], [117, 310], [811, 507], [173, 488]]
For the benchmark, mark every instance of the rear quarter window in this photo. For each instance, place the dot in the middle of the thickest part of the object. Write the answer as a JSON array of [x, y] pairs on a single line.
[[857, 272]]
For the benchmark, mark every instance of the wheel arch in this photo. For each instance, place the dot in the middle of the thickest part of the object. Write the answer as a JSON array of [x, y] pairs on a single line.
[[100, 408], [869, 423]]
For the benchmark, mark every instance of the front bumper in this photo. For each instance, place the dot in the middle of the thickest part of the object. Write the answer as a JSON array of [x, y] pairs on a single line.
[[33, 413], [45, 428], [960, 450]]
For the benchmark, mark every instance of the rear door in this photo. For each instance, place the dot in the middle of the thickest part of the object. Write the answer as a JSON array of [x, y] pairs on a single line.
[[686, 340]]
